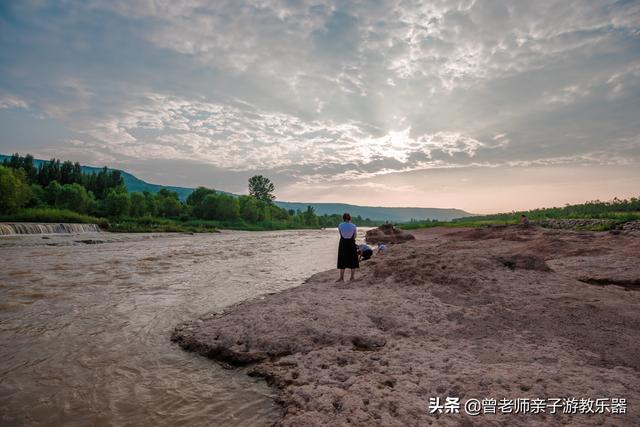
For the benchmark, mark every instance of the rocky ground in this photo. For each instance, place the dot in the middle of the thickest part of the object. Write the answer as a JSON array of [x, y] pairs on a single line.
[[502, 312], [589, 224]]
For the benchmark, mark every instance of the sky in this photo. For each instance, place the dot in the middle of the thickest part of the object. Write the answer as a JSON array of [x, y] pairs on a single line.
[[486, 106]]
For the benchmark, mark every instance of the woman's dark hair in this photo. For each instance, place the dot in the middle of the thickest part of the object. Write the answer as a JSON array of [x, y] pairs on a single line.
[[346, 217]]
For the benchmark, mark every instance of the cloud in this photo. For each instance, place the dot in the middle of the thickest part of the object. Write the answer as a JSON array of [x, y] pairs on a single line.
[[455, 43], [326, 91], [10, 101], [567, 95], [243, 137], [626, 81]]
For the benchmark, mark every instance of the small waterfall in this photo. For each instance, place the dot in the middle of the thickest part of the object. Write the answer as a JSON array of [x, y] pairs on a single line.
[[8, 228]]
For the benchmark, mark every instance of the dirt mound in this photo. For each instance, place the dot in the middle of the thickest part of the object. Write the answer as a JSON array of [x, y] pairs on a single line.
[[387, 233]]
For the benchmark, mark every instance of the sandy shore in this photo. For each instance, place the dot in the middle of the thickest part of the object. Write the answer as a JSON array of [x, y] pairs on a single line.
[[486, 313]]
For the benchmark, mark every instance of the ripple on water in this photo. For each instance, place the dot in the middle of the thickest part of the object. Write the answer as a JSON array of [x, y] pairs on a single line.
[[84, 329]]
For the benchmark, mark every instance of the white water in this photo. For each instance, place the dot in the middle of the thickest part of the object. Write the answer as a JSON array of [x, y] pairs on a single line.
[[8, 228], [85, 328]]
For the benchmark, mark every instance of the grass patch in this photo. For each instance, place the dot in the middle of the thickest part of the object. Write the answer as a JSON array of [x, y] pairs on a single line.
[[148, 224]]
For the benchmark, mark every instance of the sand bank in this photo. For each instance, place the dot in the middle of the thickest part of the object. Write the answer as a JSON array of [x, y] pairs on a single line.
[[498, 313]]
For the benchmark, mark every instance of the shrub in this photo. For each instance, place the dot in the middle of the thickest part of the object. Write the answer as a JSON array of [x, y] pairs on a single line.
[[117, 203], [14, 191]]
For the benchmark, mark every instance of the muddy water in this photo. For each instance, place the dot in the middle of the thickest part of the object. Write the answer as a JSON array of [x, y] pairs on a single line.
[[85, 322]]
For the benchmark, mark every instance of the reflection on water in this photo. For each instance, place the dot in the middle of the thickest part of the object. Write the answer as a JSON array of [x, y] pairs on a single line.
[[85, 322]]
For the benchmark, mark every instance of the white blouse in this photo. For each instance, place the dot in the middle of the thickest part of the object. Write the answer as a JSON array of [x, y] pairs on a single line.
[[347, 229]]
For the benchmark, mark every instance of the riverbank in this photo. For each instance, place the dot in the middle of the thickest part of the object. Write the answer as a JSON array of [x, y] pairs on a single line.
[[143, 225], [502, 312]]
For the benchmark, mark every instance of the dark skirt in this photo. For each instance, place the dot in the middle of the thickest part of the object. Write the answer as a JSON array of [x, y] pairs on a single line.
[[347, 253]]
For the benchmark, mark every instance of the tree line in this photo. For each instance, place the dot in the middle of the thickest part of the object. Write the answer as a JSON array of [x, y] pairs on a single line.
[[64, 185], [56, 184]]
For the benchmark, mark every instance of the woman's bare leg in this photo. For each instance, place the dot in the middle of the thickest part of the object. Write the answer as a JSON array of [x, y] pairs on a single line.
[[353, 274], [341, 279]]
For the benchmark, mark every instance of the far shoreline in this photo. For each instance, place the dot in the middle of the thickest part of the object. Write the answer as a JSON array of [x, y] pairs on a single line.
[[94, 227]]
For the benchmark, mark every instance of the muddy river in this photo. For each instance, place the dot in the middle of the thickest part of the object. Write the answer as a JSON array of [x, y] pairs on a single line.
[[85, 322]]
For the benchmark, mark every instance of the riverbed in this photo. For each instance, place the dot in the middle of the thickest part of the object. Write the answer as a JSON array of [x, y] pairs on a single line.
[[85, 321], [490, 314]]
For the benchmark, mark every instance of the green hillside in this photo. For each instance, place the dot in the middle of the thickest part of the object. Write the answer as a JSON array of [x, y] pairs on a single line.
[[134, 184]]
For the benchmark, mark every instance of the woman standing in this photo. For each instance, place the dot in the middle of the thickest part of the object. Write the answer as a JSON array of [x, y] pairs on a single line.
[[347, 249]]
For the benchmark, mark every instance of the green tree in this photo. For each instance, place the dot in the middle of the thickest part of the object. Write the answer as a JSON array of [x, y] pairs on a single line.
[[102, 182], [278, 214], [74, 197], [30, 169], [138, 204], [208, 207], [264, 211], [168, 203], [49, 171], [198, 195], [26, 163], [52, 192], [261, 188], [117, 202], [14, 191], [220, 207], [150, 204], [38, 197], [196, 199], [66, 172], [169, 207], [248, 208], [309, 217], [76, 174], [230, 209]]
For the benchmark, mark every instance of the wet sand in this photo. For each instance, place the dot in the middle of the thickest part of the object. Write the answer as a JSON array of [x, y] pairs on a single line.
[[497, 313]]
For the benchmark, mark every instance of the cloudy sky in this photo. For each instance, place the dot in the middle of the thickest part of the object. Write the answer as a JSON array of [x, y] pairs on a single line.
[[481, 105]]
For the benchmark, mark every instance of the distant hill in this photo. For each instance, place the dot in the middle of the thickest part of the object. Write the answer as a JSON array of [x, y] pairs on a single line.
[[379, 213], [134, 184]]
